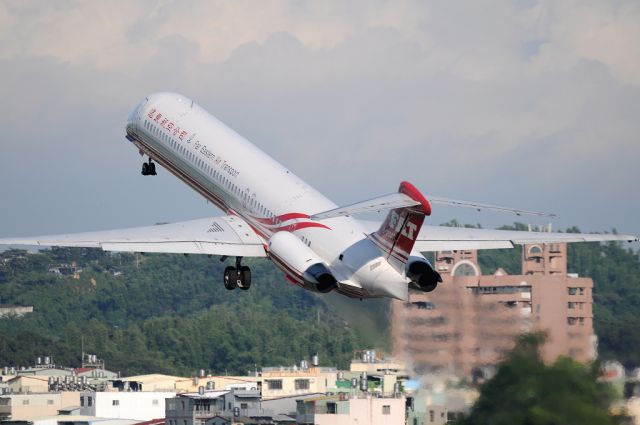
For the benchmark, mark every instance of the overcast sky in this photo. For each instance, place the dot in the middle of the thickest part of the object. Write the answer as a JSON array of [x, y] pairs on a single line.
[[524, 103]]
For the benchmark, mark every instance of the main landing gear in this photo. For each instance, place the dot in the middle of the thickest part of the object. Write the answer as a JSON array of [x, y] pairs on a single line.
[[238, 276], [149, 168]]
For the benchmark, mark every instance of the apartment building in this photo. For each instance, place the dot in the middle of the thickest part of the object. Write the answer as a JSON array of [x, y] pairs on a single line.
[[470, 322]]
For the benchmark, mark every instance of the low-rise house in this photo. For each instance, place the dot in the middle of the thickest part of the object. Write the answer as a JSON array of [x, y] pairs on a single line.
[[342, 409], [28, 384], [439, 404], [278, 382], [286, 405], [139, 405], [15, 310], [201, 407], [72, 420], [16, 407], [154, 382]]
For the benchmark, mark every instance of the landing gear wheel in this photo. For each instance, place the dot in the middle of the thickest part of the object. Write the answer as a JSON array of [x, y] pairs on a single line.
[[230, 278], [245, 277], [149, 168]]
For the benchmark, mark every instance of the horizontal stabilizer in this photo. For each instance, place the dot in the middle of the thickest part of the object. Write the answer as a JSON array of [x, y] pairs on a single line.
[[442, 238], [381, 203], [401, 200], [478, 206], [445, 238]]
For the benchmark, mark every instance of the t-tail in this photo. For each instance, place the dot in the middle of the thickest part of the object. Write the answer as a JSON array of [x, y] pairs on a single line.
[[398, 234]]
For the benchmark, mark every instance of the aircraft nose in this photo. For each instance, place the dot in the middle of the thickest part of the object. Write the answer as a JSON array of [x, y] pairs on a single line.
[[134, 116]]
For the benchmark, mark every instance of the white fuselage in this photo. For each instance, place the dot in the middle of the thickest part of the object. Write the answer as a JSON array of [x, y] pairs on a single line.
[[242, 180]]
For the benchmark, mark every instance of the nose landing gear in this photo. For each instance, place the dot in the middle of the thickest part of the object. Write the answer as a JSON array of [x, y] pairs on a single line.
[[149, 168], [238, 276]]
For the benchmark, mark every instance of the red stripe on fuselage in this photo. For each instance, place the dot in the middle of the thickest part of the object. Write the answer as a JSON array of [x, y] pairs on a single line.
[[280, 218]]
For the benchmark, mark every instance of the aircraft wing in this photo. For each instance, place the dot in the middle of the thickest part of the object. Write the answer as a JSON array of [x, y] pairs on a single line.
[[443, 238], [227, 235]]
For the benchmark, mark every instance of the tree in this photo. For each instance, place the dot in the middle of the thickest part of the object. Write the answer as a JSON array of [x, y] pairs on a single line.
[[526, 391]]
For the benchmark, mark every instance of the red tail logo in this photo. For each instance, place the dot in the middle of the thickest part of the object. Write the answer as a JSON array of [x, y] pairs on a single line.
[[400, 229]]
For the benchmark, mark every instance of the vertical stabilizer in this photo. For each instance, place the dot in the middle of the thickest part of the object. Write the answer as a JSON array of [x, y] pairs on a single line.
[[400, 229]]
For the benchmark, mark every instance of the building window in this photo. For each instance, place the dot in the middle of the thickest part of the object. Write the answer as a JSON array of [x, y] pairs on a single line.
[[302, 384], [274, 384], [155, 402], [386, 409], [49, 402], [25, 402], [332, 408], [81, 401], [89, 401], [465, 268], [244, 406], [432, 415], [572, 291], [115, 402], [535, 250]]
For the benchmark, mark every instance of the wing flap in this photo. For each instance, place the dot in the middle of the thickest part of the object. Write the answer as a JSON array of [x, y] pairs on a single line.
[[218, 236]]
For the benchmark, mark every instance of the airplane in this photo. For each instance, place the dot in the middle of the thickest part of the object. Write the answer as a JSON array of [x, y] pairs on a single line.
[[270, 212]]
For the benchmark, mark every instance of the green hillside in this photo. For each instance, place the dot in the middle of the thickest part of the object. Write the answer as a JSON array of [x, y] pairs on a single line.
[[164, 313], [171, 313]]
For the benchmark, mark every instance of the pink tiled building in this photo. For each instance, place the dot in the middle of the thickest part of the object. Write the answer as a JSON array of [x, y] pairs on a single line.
[[470, 321]]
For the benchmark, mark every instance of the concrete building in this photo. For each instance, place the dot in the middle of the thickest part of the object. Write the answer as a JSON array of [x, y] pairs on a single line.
[[371, 362], [47, 377], [139, 405], [28, 384], [201, 407], [155, 382], [438, 404], [276, 382], [471, 320], [72, 420], [15, 310], [17, 407], [286, 406], [342, 410]]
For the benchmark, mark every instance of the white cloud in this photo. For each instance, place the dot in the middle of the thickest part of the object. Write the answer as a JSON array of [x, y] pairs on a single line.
[[351, 95]]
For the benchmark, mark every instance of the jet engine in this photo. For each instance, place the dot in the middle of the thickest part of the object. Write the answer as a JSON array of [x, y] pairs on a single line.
[[301, 262], [422, 274]]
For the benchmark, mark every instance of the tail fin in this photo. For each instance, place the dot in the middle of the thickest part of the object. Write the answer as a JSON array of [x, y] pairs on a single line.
[[400, 229]]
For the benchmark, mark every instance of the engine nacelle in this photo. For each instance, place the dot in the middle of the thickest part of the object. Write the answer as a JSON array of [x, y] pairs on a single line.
[[422, 274], [301, 262]]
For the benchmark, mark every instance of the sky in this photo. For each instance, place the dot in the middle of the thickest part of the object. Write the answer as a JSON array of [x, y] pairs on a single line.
[[524, 103]]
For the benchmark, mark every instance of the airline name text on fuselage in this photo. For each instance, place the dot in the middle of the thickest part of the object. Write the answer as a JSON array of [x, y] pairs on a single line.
[[174, 130]]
